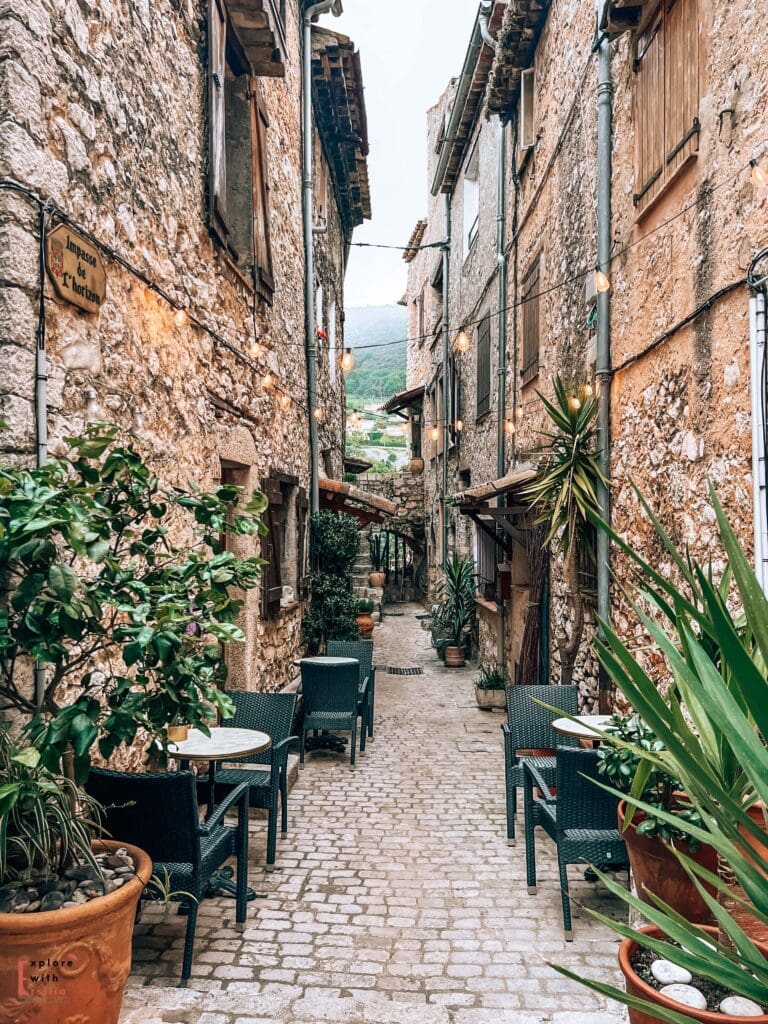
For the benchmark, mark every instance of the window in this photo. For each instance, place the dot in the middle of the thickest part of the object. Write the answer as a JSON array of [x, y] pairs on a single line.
[[238, 208], [320, 175], [484, 368], [437, 415], [486, 562], [666, 69], [530, 300], [454, 399], [420, 324], [284, 546], [471, 201], [527, 117]]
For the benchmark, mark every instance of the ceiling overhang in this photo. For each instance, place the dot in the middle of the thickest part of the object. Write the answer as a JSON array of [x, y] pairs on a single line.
[[517, 38], [354, 501], [261, 32]]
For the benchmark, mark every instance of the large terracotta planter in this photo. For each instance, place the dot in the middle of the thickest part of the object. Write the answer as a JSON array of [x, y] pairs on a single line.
[[656, 869], [416, 466], [454, 657], [757, 852], [365, 624], [490, 699], [637, 987], [71, 965], [376, 579]]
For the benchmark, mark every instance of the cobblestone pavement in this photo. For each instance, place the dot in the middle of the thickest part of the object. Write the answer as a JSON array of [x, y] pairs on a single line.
[[396, 899]]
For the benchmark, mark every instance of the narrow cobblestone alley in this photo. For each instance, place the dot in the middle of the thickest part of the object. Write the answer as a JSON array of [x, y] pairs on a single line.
[[396, 899]]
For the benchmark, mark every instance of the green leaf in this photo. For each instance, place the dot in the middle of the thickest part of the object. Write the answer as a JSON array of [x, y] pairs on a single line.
[[63, 581], [28, 756]]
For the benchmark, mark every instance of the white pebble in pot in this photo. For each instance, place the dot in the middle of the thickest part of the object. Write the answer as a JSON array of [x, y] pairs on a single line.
[[667, 973], [685, 994], [738, 1006]]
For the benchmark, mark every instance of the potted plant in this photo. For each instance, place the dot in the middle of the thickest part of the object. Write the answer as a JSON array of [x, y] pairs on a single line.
[[712, 725], [376, 545], [456, 615], [651, 842], [364, 618], [117, 599], [332, 609], [491, 689]]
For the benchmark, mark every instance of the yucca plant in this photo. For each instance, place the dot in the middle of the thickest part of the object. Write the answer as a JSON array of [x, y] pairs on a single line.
[[713, 724], [564, 496], [457, 599]]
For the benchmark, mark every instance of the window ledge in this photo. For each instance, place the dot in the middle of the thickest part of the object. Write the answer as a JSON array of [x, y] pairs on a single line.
[[665, 189]]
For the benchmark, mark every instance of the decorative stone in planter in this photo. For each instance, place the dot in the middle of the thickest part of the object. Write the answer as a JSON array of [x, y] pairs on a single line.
[[71, 964]]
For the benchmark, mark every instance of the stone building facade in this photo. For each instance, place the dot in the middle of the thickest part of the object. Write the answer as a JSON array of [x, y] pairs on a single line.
[[687, 223], [170, 136]]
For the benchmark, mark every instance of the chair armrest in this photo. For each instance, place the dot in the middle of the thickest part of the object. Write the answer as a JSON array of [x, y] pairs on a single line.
[[285, 742], [505, 729], [238, 794], [546, 792], [278, 752]]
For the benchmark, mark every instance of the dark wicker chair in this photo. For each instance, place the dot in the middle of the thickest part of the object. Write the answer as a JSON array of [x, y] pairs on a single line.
[[529, 727], [362, 650], [330, 691], [271, 713], [158, 812], [581, 819]]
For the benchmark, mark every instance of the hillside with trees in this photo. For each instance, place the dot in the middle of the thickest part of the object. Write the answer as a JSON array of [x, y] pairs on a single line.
[[379, 372]]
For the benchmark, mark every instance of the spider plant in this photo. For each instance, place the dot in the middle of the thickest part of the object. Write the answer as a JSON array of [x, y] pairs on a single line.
[[564, 496]]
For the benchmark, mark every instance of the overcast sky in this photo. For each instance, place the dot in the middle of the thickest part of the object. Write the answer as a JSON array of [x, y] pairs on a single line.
[[409, 51]]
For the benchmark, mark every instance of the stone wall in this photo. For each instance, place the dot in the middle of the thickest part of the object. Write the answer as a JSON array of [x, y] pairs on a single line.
[[103, 111]]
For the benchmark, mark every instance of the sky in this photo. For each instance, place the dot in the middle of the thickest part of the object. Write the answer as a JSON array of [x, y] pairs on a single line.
[[409, 50]]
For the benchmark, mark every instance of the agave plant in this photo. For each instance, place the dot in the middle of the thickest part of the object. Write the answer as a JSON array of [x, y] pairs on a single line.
[[564, 496], [712, 724]]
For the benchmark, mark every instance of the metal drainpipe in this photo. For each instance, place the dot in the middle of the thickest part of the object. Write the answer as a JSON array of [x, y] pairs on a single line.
[[516, 244], [603, 361], [313, 11], [41, 411], [446, 391], [501, 256]]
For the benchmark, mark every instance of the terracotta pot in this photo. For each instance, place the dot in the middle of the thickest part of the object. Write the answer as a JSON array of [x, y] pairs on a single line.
[[81, 956], [757, 813], [656, 869], [637, 987], [178, 733], [454, 657], [755, 929], [489, 699], [416, 466], [365, 624], [376, 579]]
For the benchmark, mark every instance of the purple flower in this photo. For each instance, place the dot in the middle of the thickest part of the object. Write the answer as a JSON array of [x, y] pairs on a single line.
[[192, 629]]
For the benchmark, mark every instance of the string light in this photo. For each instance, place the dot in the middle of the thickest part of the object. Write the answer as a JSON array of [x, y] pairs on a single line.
[[347, 361], [285, 401], [255, 349], [509, 427], [405, 429], [458, 426], [92, 407], [602, 282], [575, 403], [318, 414], [462, 341], [589, 390], [267, 381], [759, 175], [181, 318], [434, 433]]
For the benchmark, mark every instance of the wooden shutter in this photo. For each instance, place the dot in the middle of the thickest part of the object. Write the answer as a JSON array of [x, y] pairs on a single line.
[[527, 122], [649, 113], [262, 244], [484, 368], [681, 83], [217, 162], [271, 583], [302, 510], [531, 322]]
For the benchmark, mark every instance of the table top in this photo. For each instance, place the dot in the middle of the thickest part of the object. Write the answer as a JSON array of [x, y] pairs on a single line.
[[582, 728], [329, 662], [221, 745]]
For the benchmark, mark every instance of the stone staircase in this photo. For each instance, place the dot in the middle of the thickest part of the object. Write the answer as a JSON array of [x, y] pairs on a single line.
[[360, 587]]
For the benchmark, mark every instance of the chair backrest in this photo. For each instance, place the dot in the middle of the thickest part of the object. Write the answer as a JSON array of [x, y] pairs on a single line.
[[580, 802], [362, 650], [157, 812], [268, 712], [530, 724], [330, 684]]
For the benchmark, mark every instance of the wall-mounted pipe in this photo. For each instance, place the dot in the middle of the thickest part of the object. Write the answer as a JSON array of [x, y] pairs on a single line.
[[446, 412], [501, 402], [484, 22]]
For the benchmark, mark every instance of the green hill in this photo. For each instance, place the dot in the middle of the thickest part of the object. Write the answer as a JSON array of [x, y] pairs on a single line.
[[378, 372]]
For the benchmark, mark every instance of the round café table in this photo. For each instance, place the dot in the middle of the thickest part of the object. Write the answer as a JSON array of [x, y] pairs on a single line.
[[585, 727], [222, 745]]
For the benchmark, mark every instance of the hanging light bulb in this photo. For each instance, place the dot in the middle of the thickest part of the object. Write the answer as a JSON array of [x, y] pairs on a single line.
[[267, 381], [462, 341], [509, 427], [92, 406], [589, 390], [285, 401], [138, 420], [602, 282], [181, 318], [318, 414], [256, 349], [574, 403], [405, 429], [434, 433], [458, 426], [347, 360], [759, 175]]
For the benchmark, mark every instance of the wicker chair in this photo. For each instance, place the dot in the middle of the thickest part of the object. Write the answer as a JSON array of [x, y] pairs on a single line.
[[271, 713], [362, 650], [158, 812], [529, 727], [581, 819], [330, 690]]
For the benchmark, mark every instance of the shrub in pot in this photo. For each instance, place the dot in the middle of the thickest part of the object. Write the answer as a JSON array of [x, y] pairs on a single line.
[[117, 599], [454, 615], [332, 609], [364, 618], [376, 546], [491, 689]]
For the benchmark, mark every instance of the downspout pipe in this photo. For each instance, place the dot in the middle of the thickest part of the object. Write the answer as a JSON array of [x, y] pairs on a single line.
[[501, 258], [484, 23], [603, 360], [446, 382], [41, 410], [310, 13]]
